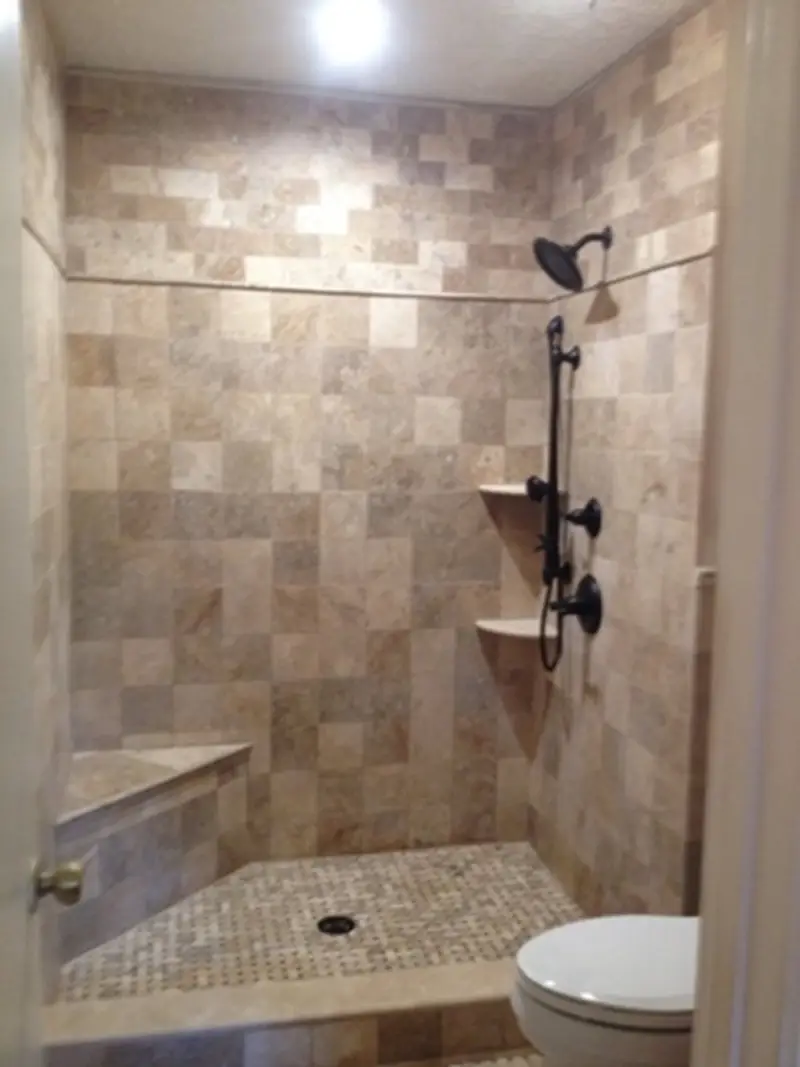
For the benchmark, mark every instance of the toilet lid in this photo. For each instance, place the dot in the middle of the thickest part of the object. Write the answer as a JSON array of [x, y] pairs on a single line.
[[636, 963]]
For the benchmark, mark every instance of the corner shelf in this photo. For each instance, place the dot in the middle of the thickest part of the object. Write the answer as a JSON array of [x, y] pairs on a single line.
[[527, 629], [516, 489]]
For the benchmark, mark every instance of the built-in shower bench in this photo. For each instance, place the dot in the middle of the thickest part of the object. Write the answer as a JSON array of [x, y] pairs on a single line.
[[150, 827]]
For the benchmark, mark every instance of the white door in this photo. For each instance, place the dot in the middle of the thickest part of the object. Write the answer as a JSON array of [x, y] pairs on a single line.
[[19, 986]]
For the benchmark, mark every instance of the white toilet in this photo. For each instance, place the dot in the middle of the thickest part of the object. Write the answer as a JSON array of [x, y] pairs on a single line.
[[610, 992]]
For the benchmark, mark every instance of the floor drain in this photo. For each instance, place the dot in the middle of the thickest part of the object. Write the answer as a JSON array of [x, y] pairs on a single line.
[[336, 925]]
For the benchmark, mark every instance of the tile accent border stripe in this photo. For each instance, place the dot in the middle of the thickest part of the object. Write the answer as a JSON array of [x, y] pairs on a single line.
[[48, 250], [389, 294]]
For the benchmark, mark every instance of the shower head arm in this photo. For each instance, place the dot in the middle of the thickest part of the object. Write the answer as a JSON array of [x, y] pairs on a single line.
[[603, 237]]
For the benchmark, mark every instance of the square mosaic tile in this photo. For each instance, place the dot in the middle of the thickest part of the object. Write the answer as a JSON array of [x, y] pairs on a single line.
[[412, 909]]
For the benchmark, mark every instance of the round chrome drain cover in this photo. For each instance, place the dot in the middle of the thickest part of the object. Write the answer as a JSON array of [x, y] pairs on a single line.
[[336, 925]]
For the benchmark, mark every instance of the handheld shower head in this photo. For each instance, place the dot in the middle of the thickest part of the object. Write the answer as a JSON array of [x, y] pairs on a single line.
[[560, 262]]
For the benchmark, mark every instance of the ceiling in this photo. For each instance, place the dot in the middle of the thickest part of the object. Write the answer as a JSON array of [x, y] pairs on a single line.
[[531, 53]]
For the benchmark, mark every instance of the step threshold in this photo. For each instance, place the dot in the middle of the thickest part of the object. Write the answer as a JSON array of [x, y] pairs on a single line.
[[268, 1004]]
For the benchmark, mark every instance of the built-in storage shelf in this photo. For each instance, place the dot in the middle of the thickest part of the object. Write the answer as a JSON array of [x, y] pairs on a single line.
[[517, 489], [528, 629]]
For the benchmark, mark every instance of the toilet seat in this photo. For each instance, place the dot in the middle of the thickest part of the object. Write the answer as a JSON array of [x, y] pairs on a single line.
[[632, 972]]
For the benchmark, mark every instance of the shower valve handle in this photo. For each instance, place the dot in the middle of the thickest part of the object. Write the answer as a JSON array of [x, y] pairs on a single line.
[[589, 517], [586, 605]]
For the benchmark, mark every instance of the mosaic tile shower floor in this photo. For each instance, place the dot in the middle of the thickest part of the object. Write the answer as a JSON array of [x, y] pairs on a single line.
[[476, 903]]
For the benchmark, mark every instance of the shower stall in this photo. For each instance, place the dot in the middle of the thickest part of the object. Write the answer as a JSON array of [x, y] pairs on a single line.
[[316, 729]]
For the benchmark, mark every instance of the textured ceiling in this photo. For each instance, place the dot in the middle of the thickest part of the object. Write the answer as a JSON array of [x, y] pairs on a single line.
[[523, 52]]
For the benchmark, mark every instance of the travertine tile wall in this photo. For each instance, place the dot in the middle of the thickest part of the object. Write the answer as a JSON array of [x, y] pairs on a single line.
[[276, 530], [612, 780], [617, 783], [275, 525], [189, 184], [277, 537], [639, 149], [43, 285]]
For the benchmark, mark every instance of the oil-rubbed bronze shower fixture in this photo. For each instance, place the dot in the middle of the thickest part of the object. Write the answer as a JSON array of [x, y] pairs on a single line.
[[589, 517], [586, 605], [560, 262]]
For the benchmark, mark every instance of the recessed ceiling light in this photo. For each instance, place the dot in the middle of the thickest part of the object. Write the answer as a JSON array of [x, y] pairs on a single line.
[[9, 14], [351, 32]]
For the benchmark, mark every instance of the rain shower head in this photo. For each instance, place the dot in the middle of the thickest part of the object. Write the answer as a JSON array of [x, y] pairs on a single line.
[[560, 262]]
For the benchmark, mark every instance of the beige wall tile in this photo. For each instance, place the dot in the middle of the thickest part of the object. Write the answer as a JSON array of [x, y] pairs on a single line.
[[343, 515], [525, 422], [139, 311], [145, 465], [386, 788], [197, 466], [195, 411], [93, 465], [245, 316], [437, 421], [430, 825], [345, 1044], [479, 1028], [295, 610], [393, 323], [142, 415], [247, 416], [345, 321], [89, 309], [343, 560], [91, 413], [343, 654], [341, 747], [283, 1047], [297, 468], [247, 467], [247, 579], [147, 661], [295, 657]]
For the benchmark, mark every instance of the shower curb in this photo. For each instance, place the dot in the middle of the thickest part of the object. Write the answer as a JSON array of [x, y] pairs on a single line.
[[377, 1020]]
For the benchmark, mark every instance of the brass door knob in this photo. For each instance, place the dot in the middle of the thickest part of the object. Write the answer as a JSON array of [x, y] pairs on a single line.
[[64, 882]]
